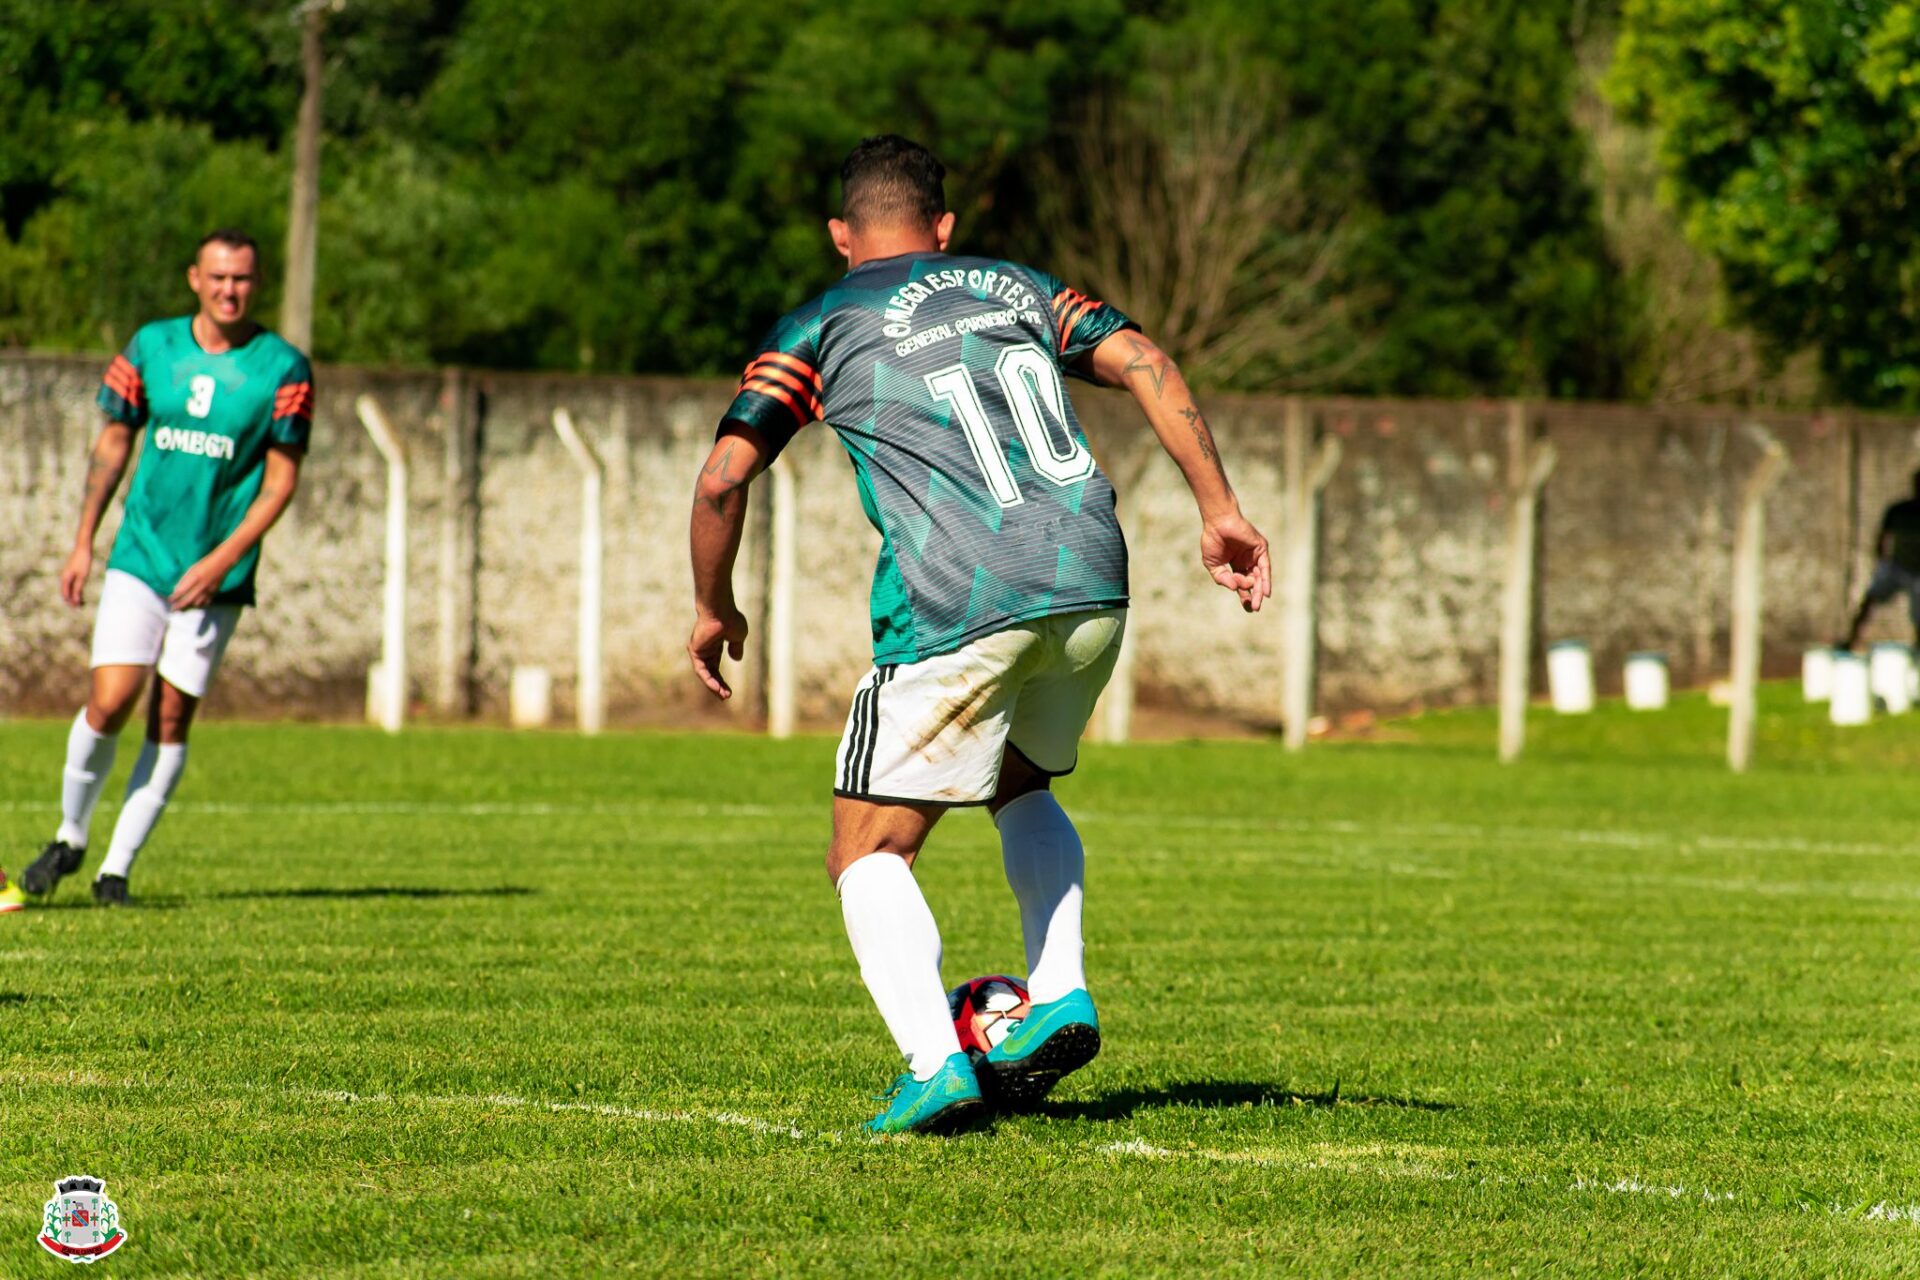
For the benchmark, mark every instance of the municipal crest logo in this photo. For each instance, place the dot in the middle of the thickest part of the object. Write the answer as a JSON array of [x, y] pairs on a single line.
[[82, 1224]]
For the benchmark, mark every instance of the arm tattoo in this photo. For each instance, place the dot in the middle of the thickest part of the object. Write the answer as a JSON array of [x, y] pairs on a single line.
[[1146, 360], [1201, 435], [101, 474], [718, 466], [725, 483]]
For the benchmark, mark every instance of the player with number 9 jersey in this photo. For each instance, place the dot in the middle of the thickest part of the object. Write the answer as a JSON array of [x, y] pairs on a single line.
[[223, 408], [208, 420]]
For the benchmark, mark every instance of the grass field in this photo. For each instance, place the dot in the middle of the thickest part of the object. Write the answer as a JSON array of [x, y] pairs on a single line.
[[468, 1004]]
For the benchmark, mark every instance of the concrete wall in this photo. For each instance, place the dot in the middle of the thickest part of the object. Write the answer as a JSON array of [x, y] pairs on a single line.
[[1634, 545]]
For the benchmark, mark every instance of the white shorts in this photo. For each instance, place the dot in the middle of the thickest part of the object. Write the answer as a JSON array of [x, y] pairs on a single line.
[[136, 628], [935, 731]]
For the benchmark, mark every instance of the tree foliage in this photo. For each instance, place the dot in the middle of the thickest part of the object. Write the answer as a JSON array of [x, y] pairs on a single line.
[[594, 184], [1790, 135]]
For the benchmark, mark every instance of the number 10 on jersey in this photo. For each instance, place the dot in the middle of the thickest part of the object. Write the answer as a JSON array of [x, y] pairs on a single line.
[[1034, 394]]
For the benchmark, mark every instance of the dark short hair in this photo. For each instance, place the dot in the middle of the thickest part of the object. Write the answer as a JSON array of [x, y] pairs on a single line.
[[891, 179], [231, 238]]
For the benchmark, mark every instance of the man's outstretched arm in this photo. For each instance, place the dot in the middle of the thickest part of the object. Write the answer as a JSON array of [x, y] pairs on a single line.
[[105, 466], [719, 516], [1233, 551]]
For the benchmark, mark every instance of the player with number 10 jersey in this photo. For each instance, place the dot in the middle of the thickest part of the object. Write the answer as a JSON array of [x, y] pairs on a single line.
[[998, 603], [943, 378]]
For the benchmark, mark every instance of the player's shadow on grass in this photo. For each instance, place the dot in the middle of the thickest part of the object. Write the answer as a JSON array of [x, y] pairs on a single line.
[[381, 891], [1219, 1095], [143, 902]]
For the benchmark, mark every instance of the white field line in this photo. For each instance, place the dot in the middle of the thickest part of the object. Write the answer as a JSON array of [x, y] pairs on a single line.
[[1476, 832], [1392, 1164], [1631, 1185], [607, 1110]]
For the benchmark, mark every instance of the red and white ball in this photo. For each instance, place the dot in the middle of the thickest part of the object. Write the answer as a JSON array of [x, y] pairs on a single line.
[[985, 1010]]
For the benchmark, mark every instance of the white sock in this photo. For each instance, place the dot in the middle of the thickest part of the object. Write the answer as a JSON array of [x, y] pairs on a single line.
[[89, 761], [1047, 870], [897, 944], [155, 774]]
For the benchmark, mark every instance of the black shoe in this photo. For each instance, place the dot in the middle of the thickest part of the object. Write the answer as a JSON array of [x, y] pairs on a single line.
[[110, 891], [57, 860]]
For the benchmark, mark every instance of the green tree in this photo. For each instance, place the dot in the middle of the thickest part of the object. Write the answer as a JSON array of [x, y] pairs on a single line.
[[1486, 244], [692, 172], [112, 252], [1788, 137], [64, 66]]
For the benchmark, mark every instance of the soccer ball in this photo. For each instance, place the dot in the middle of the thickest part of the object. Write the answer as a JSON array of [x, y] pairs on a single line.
[[985, 1010]]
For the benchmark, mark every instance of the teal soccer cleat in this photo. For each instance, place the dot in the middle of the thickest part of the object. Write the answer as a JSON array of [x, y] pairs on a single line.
[[949, 1102], [1057, 1037]]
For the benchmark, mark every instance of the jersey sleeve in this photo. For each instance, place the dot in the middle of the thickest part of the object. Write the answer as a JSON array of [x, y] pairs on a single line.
[[780, 391], [123, 391], [293, 405], [1080, 323]]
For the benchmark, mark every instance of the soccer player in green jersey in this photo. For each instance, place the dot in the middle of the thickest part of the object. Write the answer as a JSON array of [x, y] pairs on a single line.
[[226, 407], [998, 602]]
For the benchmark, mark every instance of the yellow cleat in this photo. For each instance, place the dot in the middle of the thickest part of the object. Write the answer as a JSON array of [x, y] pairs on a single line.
[[11, 899]]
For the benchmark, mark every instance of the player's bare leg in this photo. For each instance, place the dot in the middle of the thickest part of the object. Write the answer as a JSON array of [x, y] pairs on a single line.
[[897, 943], [1046, 869], [113, 694], [163, 758]]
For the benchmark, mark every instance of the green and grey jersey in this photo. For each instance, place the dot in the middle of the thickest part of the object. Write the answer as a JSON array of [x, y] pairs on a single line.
[[209, 420], [942, 377]]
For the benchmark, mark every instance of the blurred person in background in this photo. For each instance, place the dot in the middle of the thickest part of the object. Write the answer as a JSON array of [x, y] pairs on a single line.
[[1897, 565], [227, 407]]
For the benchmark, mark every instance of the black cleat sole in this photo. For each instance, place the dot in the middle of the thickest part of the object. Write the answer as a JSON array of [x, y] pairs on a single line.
[[962, 1116], [54, 864], [1012, 1086]]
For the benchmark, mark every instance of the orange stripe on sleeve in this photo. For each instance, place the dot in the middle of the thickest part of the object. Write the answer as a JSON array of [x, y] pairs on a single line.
[[294, 400], [776, 374], [1087, 307], [794, 363], [803, 404], [124, 381], [780, 393]]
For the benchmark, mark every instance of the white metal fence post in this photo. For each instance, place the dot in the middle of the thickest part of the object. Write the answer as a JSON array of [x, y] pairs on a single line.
[[1748, 538], [1304, 481], [1528, 466], [591, 692], [392, 699]]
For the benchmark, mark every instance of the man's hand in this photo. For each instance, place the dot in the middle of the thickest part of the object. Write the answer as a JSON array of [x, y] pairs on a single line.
[[1235, 555], [198, 585], [711, 634], [73, 575]]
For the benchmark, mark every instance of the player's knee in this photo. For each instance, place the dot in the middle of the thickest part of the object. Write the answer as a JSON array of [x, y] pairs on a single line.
[[1017, 778], [108, 710], [172, 716], [840, 858]]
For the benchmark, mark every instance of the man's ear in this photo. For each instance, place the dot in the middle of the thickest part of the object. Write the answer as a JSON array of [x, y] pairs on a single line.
[[193, 277], [842, 237], [943, 230]]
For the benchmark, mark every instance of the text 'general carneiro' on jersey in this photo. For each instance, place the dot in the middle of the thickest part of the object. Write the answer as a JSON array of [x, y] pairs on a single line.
[[943, 378], [209, 419]]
